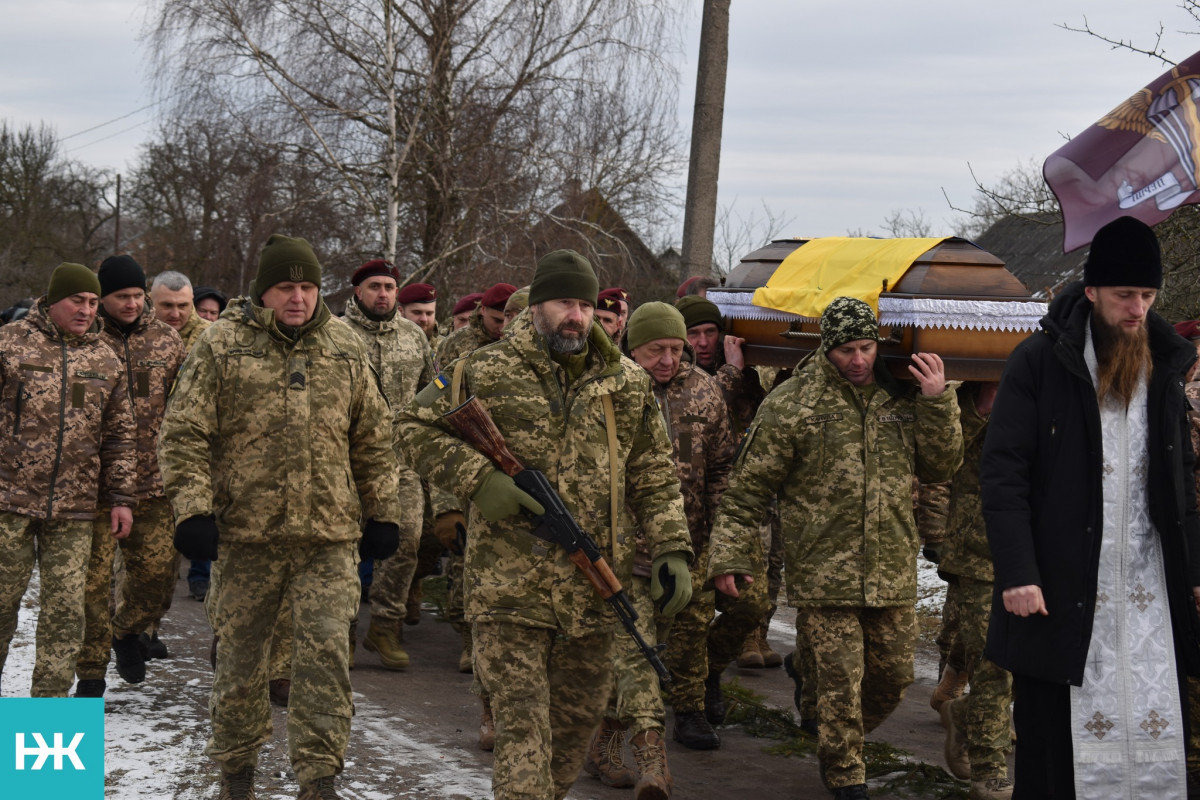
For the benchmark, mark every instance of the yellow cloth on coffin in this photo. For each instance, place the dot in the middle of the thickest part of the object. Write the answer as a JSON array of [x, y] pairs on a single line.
[[815, 273]]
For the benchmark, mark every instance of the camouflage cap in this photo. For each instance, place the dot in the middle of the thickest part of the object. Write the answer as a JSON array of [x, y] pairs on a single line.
[[847, 319]]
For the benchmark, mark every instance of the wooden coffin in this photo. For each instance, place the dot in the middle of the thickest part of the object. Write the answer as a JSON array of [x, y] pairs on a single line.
[[955, 300]]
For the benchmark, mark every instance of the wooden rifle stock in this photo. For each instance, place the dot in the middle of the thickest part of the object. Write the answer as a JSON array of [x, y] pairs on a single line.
[[557, 525]]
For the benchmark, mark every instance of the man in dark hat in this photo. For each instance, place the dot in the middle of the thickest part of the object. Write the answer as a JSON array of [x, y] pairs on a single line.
[[543, 636], [484, 327], [418, 304], [150, 352], [401, 356], [464, 308], [209, 302], [837, 445], [68, 448], [612, 309], [277, 447], [1090, 506]]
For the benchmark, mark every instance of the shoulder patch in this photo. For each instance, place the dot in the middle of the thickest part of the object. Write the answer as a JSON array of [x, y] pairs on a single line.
[[434, 390]]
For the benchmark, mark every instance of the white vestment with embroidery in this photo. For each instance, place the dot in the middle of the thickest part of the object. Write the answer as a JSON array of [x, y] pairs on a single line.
[[1127, 729]]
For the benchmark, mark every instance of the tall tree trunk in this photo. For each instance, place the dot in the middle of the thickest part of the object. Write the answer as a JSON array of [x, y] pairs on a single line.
[[700, 210]]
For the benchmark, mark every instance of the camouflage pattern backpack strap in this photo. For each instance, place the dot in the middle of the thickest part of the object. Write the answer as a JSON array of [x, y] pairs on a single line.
[[610, 425]]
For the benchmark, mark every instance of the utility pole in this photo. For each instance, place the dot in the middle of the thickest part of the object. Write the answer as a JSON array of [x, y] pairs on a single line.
[[700, 208], [117, 235]]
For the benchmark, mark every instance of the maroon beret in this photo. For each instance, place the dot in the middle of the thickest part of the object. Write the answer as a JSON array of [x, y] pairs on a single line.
[[416, 293], [608, 299], [495, 297], [373, 268], [466, 303], [686, 286], [1188, 329]]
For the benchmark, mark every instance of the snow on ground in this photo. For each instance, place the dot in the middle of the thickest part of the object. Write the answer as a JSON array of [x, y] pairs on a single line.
[[155, 734]]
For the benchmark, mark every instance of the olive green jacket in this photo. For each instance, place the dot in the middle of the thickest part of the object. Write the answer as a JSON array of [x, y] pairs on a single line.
[[511, 575], [842, 468], [279, 439]]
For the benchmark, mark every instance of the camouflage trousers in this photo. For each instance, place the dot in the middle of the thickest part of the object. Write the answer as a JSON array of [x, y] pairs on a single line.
[[394, 574], [773, 547], [806, 668], [739, 617], [548, 693], [255, 581], [148, 556], [637, 699], [949, 646], [863, 662], [60, 548], [166, 592], [984, 712], [280, 662]]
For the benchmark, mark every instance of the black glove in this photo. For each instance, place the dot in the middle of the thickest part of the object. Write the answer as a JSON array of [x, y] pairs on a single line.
[[196, 537], [933, 551], [379, 540]]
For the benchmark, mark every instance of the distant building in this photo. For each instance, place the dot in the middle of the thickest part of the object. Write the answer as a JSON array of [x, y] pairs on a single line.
[[1031, 248]]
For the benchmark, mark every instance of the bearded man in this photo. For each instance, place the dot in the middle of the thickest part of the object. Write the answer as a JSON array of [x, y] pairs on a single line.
[[1091, 519]]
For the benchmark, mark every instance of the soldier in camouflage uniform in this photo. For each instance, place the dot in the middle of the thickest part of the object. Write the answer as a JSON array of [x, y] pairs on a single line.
[[543, 636], [611, 313], [703, 448], [400, 354], [172, 296], [850, 540], [418, 305], [977, 724], [462, 311], [69, 440], [277, 441], [150, 352], [486, 326]]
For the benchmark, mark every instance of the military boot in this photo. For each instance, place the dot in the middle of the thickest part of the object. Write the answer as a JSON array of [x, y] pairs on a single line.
[[606, 756], [279, 690], [90, 687], [949, 687], [237, 785], [856, 792], [694, 732], [383, 639], [487, 726], [466, 663], [412, 606], [131, 664], [955, 749], [654, 776], [770, 658], [714, 699], [997, 789], [320, 789], [750, 658], [152, 646]]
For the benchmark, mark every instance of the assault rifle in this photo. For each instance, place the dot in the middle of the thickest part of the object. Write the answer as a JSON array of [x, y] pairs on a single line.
[[556, 526]]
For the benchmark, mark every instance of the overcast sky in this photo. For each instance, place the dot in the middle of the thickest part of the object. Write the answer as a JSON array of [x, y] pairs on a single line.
[[837, 113]]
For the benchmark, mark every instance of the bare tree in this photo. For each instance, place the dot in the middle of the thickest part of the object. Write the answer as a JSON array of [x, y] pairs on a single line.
[[737, 234], [443, 121], [1021, 192]]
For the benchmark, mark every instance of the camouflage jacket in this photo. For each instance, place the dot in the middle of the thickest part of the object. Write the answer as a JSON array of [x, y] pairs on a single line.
[[698, 428], [69, 435], [192, 329], [398, 351], [966, 550], [280, 439], [842, 467], [466, 339], [150, 352], [742, 390], [510, 574]]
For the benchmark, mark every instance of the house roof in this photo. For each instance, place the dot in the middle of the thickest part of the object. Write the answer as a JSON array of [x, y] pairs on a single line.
[[1031, 247]]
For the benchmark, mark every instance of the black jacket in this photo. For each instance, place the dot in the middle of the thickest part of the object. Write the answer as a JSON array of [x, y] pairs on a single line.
[[1041, 481]]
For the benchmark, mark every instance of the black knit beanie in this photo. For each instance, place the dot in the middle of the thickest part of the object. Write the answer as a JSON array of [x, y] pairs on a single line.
[[285, 259], [68, 279], [121, 272], [1124, 252], [563, 274]]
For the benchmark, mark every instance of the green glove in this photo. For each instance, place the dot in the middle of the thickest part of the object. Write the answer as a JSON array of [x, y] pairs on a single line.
[[670, 583], [498, 497]]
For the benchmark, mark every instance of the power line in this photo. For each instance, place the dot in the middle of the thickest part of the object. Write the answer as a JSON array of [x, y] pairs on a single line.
[[111, 121], [110, 136]]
